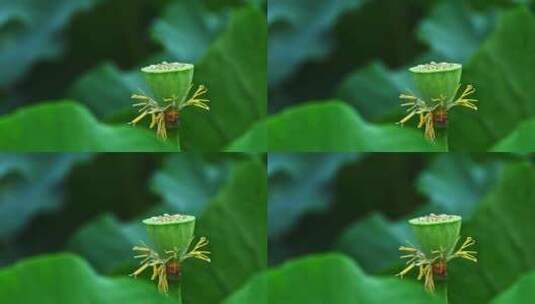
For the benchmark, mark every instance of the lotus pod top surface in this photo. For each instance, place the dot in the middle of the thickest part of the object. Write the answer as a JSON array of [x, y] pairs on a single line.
[[437, 232], [170, 232], [437, 80], [169, 80]]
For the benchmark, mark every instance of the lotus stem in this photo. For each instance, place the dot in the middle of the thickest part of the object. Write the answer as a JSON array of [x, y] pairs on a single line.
[[441, 140], [442, 290]]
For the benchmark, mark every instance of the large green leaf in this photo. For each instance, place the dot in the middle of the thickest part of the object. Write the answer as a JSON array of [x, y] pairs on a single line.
[[523, 291], [254, 291], [67, 126], [29, 186], [235, 222], [113, 239], [502, 72], [66, 279], [254, 140], [234, 70], [330, 279], [30, 30], [456, 183], [106, 90], [374, 241], [335, 126], [187, 28], [187, 182], [374, 90], [504, 229], [454, 31], [299, 32], [520, 140], [299, 184]]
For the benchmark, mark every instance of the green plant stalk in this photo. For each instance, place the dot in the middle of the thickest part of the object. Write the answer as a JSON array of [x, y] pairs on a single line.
[[441, 140], [179, 291], [176, 293], [441, 290], [175, 133]]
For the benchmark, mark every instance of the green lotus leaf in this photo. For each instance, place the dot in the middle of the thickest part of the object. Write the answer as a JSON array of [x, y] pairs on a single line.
[[66, 279], [67, 126], [333, 279]]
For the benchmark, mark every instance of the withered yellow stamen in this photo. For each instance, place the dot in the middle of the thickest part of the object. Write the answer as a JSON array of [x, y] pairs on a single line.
[[417, 106], [417, 258], [147, 106], [151, 258], [197, 253]]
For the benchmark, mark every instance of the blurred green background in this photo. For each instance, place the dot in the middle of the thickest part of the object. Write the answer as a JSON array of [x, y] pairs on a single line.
[[340, 39], [336, 222], [72, 220], [89, 52], [350, 58]]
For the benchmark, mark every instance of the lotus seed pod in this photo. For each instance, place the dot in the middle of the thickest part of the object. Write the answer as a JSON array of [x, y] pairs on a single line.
[[168, 232], [436, 232], [169, 80], [437, 80]]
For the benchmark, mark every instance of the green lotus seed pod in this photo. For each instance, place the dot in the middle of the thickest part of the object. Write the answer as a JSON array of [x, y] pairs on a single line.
[[436, 232], [169, 80], [436, 80], [168, 232]]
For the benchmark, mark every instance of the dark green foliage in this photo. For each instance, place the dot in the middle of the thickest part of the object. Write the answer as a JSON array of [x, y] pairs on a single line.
[[90, 52], [368, 200], [91, 205], [365, 49]]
